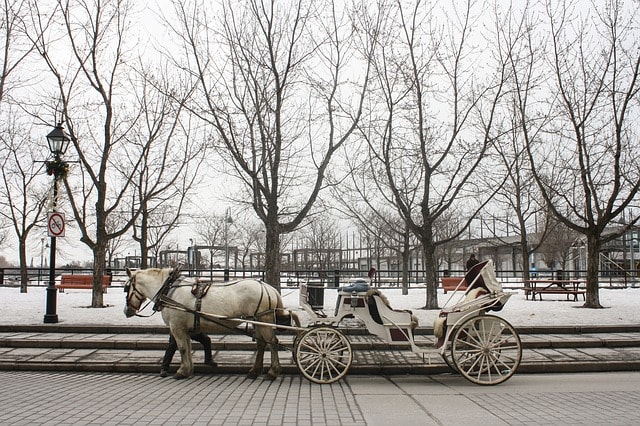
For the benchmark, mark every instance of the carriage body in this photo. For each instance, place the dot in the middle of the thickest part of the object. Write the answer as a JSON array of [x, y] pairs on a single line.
[[484, 348], [358, 301]]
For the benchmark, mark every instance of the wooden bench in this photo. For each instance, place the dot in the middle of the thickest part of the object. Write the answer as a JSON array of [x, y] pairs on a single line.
[[82, 282], [450, 283]]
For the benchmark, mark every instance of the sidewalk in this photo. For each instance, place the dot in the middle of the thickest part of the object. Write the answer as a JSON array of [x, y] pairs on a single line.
[[139, 349]]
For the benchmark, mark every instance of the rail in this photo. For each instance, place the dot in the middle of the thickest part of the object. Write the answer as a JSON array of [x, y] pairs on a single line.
[[10, 277]]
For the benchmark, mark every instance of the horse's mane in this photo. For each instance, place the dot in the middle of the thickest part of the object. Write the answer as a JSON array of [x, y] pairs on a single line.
[[153, 271]]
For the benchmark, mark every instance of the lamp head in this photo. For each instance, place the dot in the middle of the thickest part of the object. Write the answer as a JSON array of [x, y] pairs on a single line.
[[58, 140]]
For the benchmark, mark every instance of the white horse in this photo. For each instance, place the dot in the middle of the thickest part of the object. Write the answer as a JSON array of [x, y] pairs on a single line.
[[220, 309]]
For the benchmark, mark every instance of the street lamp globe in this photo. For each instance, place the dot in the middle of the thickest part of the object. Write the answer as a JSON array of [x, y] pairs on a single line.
[[58, 141]]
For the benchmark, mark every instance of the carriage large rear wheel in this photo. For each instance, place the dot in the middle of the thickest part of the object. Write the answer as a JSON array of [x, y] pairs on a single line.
[[323, 355], [446, 356], [486, 350]]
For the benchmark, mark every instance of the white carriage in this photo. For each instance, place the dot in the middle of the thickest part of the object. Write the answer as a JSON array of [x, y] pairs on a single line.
[[483, 348]]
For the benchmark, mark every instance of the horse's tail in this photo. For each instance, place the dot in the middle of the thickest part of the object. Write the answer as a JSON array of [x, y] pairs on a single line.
[[286, 316]]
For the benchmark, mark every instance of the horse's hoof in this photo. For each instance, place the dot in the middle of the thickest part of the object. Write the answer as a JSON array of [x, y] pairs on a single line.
[[179, 376], [271, 377], [252, 376]]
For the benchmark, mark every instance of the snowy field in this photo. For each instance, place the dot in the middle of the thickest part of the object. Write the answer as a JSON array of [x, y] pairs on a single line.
[[622, 307]]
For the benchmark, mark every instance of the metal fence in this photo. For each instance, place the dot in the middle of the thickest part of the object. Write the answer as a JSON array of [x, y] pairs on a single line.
[[332, 278]]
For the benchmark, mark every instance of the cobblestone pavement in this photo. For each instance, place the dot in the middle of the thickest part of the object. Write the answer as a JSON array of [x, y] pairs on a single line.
[[71, 398]]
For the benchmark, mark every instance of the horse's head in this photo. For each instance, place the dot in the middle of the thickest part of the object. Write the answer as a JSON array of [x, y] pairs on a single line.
[[134, 297], [144, 284]]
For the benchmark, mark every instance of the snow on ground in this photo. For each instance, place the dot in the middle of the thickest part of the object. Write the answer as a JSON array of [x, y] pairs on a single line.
[[622, 307]]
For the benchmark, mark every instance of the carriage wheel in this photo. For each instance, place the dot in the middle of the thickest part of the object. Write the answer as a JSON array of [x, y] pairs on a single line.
[[486, 350], [446, 356], [323, 355]]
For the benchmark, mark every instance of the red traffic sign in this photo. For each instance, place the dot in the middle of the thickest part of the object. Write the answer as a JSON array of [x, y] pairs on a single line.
[[55, 224]]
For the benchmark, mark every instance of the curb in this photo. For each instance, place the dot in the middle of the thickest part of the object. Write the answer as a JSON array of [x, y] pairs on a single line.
[[363, 369], [420, 331]]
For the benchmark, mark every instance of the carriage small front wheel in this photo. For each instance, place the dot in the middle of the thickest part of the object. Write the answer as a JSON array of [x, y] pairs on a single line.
[[486, 350], [323, 355]]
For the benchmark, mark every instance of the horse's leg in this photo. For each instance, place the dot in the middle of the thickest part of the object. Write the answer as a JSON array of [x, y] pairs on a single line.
[[184, 346], [258, 362], [275, 369]]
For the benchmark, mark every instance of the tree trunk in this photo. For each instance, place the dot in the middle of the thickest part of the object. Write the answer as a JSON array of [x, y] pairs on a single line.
[[524, 247], [431, 273], [24, 274], [272, 257], [99, 257], [144, 235], [405, 266], [593, 262]]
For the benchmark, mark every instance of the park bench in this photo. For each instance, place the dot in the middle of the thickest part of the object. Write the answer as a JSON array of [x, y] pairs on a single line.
[[81, 281], [450, 283]]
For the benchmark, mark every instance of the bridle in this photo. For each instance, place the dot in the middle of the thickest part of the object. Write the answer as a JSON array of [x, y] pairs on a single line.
[[134, 297]]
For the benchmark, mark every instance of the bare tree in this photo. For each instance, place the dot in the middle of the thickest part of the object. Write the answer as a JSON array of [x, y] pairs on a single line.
[[21, 209], [321, 237], [555, 248], [429, 157], [22, 202], [250, 240], [169, 163], [16, 45], [95, 92], [586, 163], [281, 102], [520, 198], [211, 234]]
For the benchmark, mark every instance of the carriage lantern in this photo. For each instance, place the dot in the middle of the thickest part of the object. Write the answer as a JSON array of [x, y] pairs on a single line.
[[58, 142]]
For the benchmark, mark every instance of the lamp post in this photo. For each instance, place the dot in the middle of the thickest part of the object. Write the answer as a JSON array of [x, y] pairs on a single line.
[[41, 252], [633, 243], [227, 221], [58, 142]]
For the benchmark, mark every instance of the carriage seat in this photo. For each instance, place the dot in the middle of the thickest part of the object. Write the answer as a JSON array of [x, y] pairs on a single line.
[[379, 307], [357, 286]]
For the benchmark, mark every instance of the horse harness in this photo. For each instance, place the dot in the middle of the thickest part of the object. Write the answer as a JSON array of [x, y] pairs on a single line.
[[163, 292], [199, 290], [159, 299]]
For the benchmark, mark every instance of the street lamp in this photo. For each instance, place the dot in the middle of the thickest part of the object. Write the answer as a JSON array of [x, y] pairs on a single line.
[[632, 268], [41, 253], [58, 142], [227, 221]]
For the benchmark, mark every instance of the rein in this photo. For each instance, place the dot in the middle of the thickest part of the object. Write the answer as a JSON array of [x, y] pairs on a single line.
[[157, 299], [164, 289]]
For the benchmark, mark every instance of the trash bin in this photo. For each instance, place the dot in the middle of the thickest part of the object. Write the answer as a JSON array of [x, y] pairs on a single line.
[[315, 294]]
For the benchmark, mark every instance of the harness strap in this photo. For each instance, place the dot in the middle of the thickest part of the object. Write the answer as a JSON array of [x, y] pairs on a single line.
[[166, 286], [199, 293], [257, 313]]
